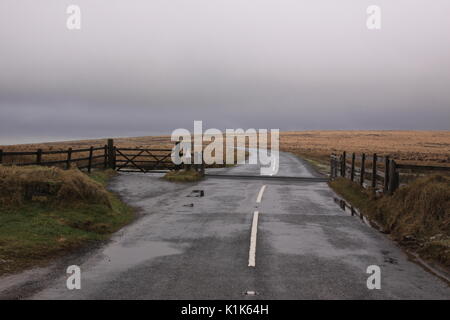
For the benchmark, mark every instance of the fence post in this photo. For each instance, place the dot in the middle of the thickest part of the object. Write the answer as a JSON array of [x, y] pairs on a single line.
[[363, 169], [336, 166], [343, 164], [386, 175], [111, 154], [393, 178], [201, 165], [39, 156], [1, 156], [177, 151], [114, 157], [69, 158], [331, 166], [374, 171], [352, 172], [339, 163], [202, 169], [91, 150], [105, 157]]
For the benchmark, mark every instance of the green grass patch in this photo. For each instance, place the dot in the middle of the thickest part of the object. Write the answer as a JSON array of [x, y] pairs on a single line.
[[320, 163], [102, 176], [183, 176], [363, 199], [33, 231], [416, 215], [319, 166]]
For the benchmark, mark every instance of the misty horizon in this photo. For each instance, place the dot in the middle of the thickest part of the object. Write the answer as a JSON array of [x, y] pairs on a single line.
[[149, 68]]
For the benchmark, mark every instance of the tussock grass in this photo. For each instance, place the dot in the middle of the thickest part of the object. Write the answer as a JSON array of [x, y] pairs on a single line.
[[49, 184], [416, 215], [183, 176], [74, 209]]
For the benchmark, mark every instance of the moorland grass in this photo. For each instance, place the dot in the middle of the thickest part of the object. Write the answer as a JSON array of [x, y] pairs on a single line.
[[416, 215], [77, 210]]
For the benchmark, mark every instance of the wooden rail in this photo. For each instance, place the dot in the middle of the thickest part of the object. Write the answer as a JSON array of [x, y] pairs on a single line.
[[65, 160], [384, 174], [120, 159]]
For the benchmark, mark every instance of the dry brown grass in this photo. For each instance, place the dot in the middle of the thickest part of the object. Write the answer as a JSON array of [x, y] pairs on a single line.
[[183, 176], [415, 147], [421, 208], [144, 142], [19, 185]]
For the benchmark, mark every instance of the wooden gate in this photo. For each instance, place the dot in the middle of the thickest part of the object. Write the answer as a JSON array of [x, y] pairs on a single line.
[[143, 160]]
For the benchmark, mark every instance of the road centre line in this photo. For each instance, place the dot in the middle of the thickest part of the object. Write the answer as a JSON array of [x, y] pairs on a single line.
[[252, 251], [260, 194], [254, 231]]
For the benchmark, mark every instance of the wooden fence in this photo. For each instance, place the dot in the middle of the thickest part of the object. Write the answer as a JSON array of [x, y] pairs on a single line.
[[88, 158], [379, 173], [143, 159], [108, 156]]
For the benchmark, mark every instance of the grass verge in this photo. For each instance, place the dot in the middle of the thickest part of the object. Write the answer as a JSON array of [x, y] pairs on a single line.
[[183, 176], [416, 215], [46, 212]]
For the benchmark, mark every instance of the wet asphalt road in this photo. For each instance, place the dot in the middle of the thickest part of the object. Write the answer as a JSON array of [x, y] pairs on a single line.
[[186, 247]]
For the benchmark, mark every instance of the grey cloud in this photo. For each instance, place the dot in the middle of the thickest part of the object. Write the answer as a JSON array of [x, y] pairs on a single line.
[[148, 67]]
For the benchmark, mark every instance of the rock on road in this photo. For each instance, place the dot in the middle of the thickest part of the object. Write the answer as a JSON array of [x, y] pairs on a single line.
[[187, 247]]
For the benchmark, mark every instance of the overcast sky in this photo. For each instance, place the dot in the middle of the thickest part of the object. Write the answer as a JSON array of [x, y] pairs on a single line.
[[141, 67]]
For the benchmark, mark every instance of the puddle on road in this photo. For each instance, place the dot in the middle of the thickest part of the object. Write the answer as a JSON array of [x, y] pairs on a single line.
[[121, 257], [104, 267], [118, 258]]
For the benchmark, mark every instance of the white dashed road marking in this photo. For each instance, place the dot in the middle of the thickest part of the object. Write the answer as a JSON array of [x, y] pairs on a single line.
[[252, 252], [260, 194]]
